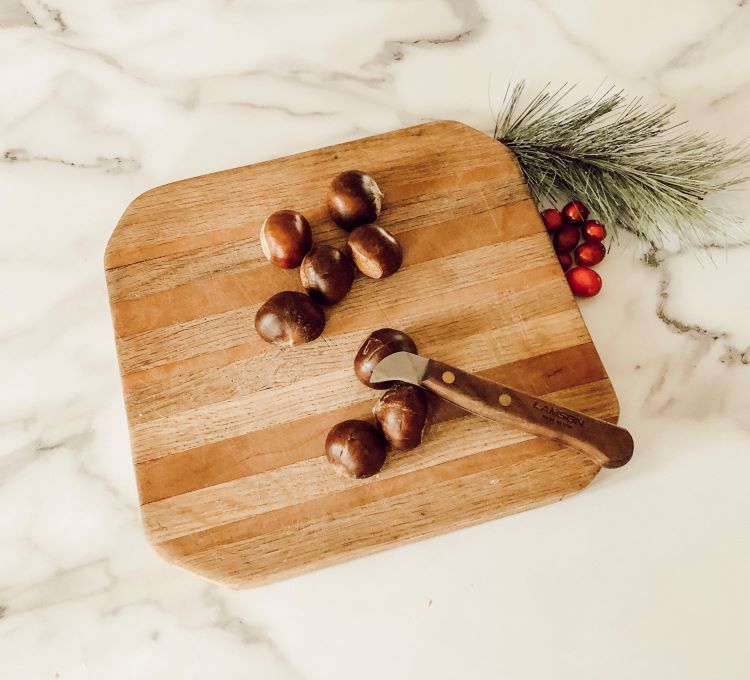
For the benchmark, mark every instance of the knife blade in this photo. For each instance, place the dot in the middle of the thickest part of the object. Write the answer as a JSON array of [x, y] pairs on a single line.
[[605, 443]]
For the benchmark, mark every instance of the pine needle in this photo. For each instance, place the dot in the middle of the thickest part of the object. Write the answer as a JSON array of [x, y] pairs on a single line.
[[627, 161]]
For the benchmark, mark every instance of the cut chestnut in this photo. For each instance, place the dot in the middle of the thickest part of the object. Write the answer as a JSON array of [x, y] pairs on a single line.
[[375, 251], [378, 345], [356, 448], [401, 414], [354, 198], [326, 274], [289, 318], [285, 238]]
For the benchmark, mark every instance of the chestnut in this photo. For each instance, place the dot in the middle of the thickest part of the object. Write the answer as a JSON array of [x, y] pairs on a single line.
[[354, 198], [378, 345], [401, 414], [285, 238], [356, 448], [326, 274], [289, 318], [375, 251]]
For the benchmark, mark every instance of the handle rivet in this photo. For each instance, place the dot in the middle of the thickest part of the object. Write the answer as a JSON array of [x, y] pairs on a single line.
[[505, 399], [449, 377]]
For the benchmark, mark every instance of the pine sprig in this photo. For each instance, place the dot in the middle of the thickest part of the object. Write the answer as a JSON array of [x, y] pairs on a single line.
[[627, 161]]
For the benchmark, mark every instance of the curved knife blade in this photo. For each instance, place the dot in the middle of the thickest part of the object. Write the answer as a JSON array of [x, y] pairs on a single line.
[[402, 366]]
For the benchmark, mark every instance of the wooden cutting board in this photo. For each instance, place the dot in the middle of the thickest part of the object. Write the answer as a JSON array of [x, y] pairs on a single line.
[[227, 432]]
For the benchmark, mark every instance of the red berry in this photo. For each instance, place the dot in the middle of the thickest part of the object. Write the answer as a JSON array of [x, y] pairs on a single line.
[[565, 239], [584, 282], [552, 219], [590, 253], [594, 230], [566, 261], [575, 213]]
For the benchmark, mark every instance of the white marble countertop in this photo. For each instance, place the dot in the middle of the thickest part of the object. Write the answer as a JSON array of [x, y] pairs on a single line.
[[645, 574]]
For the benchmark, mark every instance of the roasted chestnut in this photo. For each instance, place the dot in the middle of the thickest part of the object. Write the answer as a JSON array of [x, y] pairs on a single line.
[[378, 345], [326, 274], [285, 238], [401, 414], [289, 318], [354, 198], [375, 251], [356, 448]]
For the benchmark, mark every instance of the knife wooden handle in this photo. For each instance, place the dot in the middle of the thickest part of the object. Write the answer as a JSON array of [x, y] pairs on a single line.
[[607, 444]]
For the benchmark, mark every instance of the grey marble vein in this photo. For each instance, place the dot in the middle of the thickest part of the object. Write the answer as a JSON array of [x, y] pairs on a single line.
[[115, 164]]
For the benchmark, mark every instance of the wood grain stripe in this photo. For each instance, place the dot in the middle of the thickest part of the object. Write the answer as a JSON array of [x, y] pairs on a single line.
[[469, 314], [279, 445], [528, 454], [197, 345], [401, 293], [279, 551], [241, 251], [227, 290], [491, 299], [188, 219], [312, 476], [209, 423]]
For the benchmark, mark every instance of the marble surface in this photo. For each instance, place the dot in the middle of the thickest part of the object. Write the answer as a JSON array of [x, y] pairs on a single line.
[[642, 575]]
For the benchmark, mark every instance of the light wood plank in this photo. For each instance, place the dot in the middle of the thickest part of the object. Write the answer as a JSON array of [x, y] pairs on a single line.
[[493, 484]]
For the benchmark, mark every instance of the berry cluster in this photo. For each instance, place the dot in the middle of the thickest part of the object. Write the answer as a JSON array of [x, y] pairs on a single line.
[[566, 228]]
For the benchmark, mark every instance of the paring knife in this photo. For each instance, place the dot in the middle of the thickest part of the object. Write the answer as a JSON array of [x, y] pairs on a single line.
[[607, 444]]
